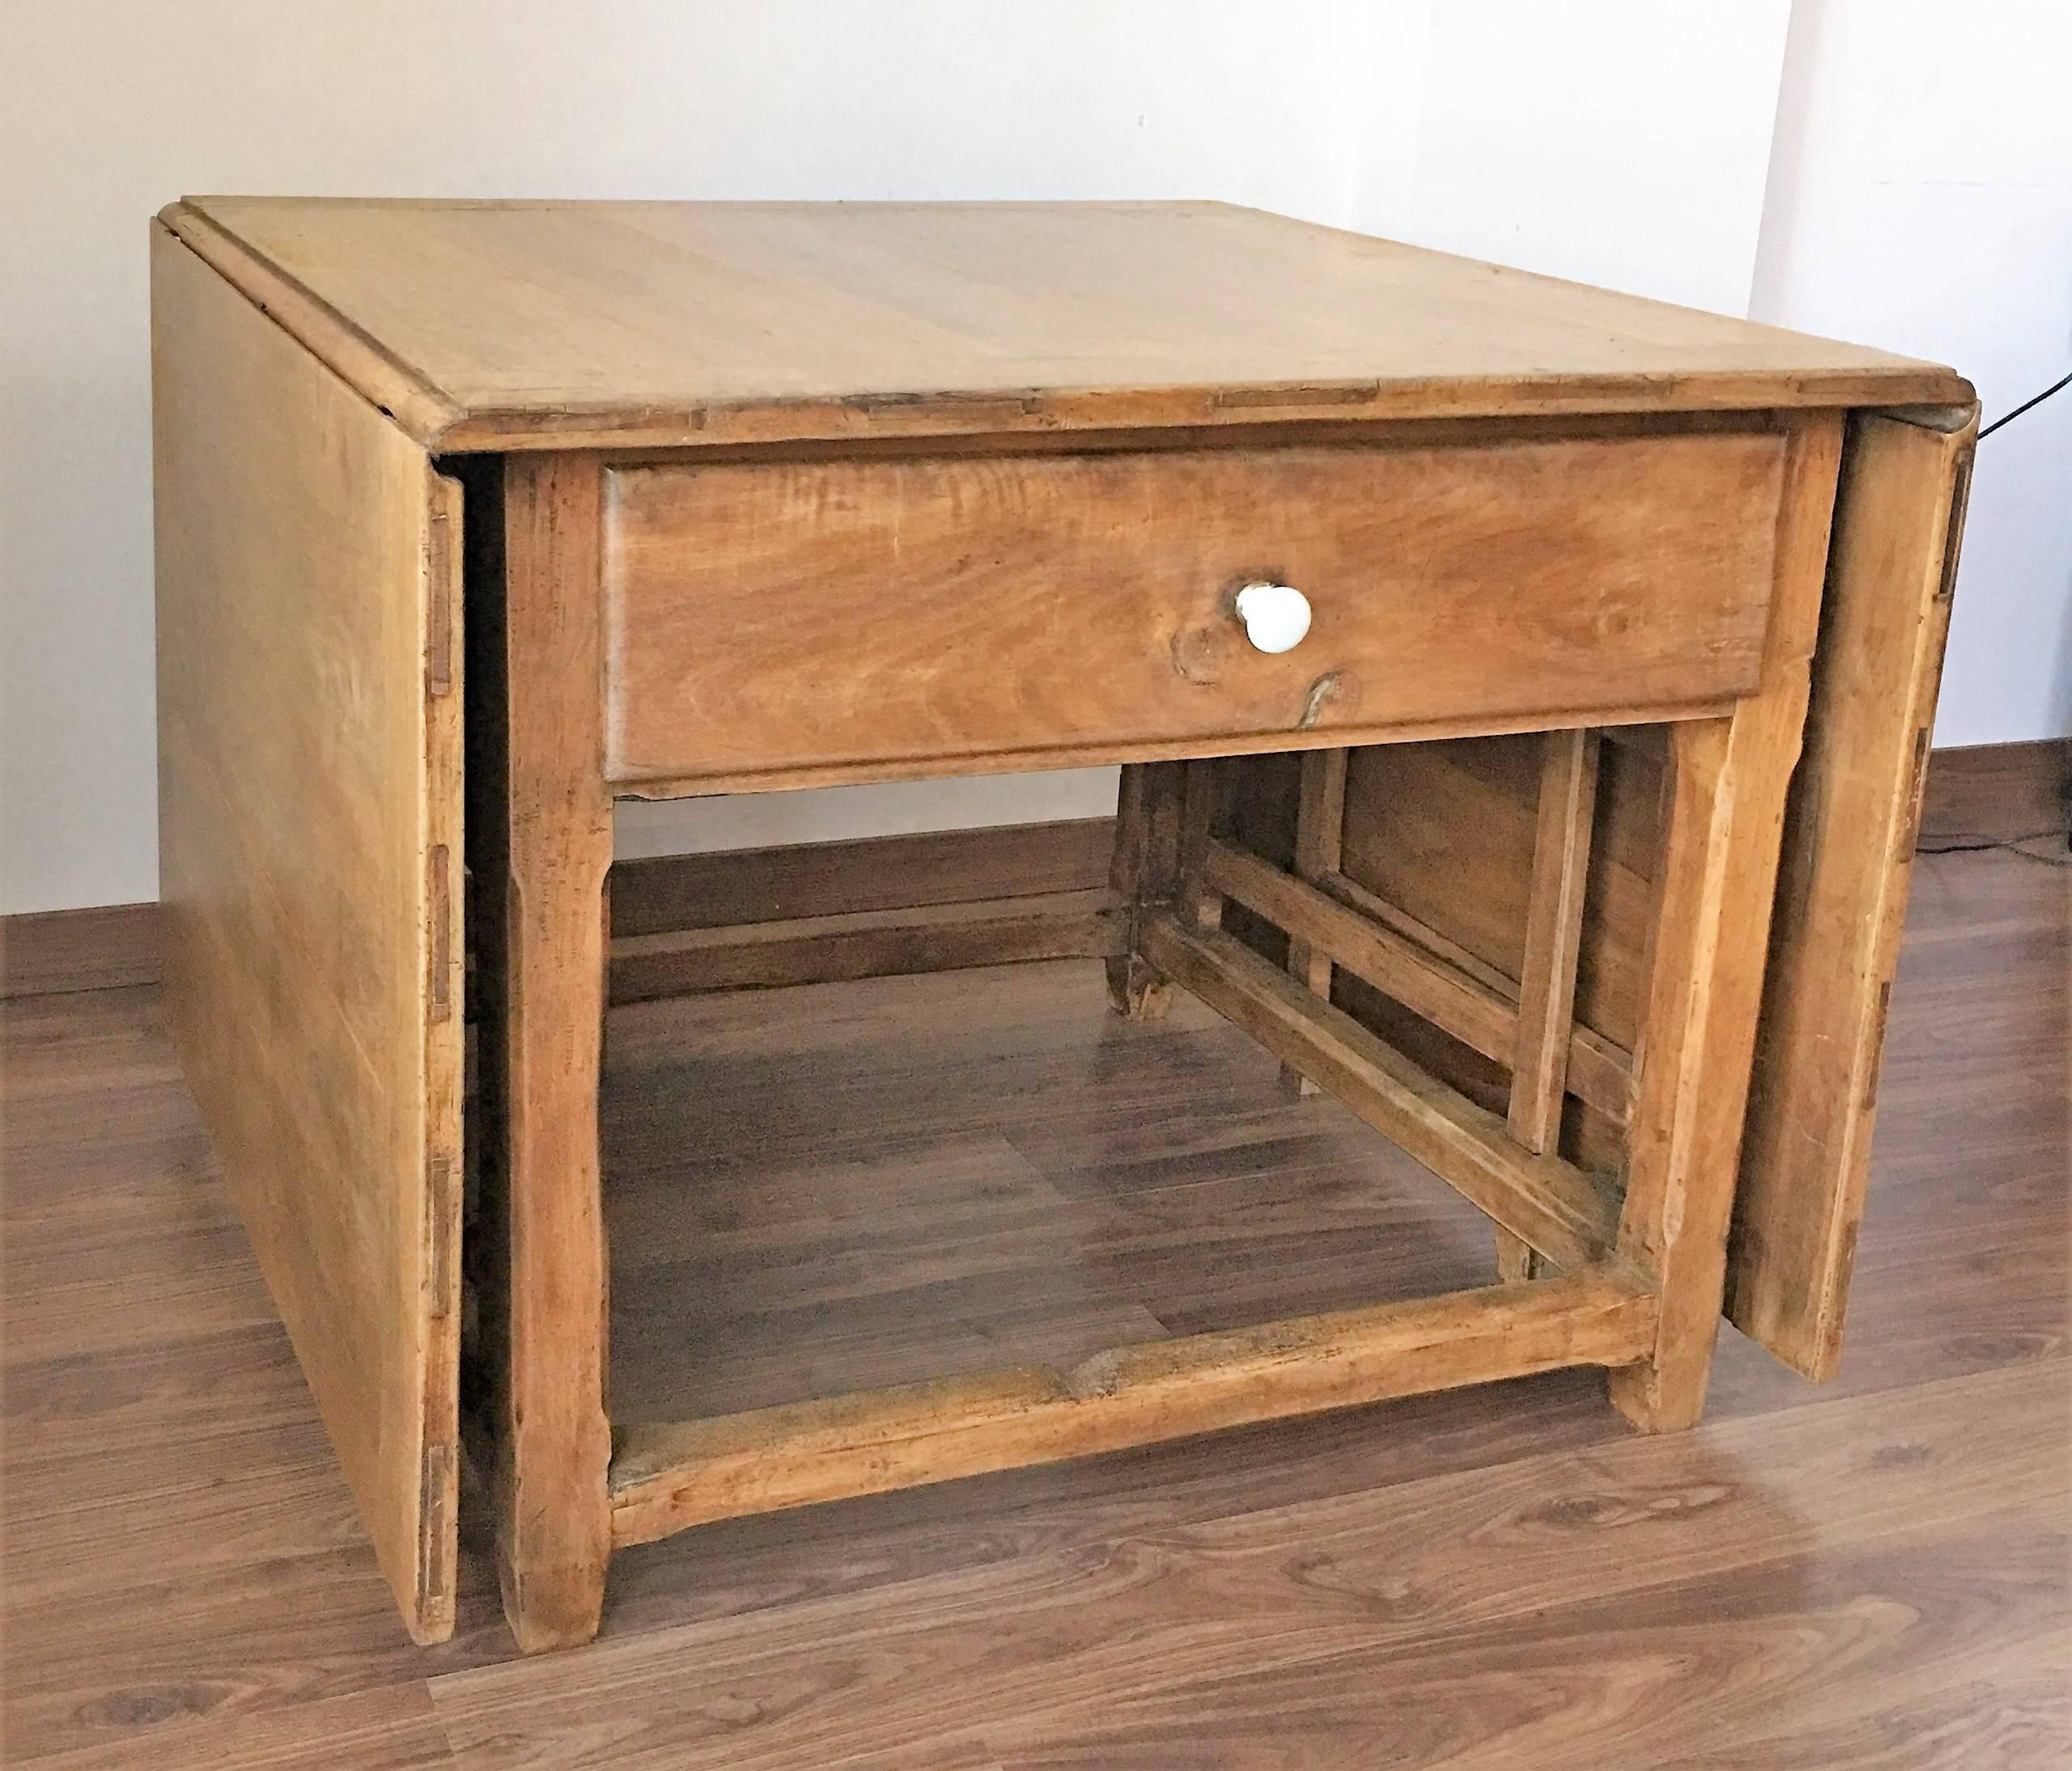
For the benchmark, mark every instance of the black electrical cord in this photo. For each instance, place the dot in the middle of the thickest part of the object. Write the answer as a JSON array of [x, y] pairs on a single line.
[[2009, 418]]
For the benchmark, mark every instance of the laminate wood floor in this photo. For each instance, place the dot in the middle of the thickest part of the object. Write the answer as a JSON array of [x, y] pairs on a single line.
[[854, 1184]]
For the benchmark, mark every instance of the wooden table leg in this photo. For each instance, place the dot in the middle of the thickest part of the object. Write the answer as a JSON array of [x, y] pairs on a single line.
[[1319, 842], [1724, 822], [1146, 871], [555, 1527], [1553, 944]]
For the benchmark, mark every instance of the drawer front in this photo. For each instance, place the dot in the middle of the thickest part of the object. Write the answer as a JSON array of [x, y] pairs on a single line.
[[830, 615]]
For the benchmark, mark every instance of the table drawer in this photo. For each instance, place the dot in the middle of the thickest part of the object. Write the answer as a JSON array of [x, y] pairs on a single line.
[[828, 615]]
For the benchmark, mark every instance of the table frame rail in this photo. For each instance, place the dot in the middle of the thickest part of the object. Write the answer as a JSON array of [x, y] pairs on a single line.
[[668, 1476]]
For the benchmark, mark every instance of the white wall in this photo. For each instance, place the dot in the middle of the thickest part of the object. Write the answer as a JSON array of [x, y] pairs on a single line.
[[1922, 199], [1623, 143], [1628, 142], [109, 109]]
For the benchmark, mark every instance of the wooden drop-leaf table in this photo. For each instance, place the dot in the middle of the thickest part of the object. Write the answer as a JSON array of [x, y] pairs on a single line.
[[1522, 691]]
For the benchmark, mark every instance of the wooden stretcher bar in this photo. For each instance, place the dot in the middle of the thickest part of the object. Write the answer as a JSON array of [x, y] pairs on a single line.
[[666, 1477]]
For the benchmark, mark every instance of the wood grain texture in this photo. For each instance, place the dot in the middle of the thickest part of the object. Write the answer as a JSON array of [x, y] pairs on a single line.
[[1205, 787], [1553, 938], [552, 1524], [1724, 823], [1440, 842], [665, 894], [106, 947], [1843, 882], [962, 609], [666, 1476], [1446, 832], [1997, 792], [1412, 964], [1553, 950], [1144, 870], [1319, 844], [309, 793], [523, 325], [871, 944], [1870, 1574], [1548, 1204], [1267, 744], [1477, 1573]]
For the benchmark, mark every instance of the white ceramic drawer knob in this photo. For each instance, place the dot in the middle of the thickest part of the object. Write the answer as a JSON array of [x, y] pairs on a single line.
[[1276, 616]]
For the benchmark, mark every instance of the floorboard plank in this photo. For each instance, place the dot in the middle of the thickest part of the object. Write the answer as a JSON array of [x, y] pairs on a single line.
[[385, 1728], [1877, 1658], [853, 1180], [1049, 1635]]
